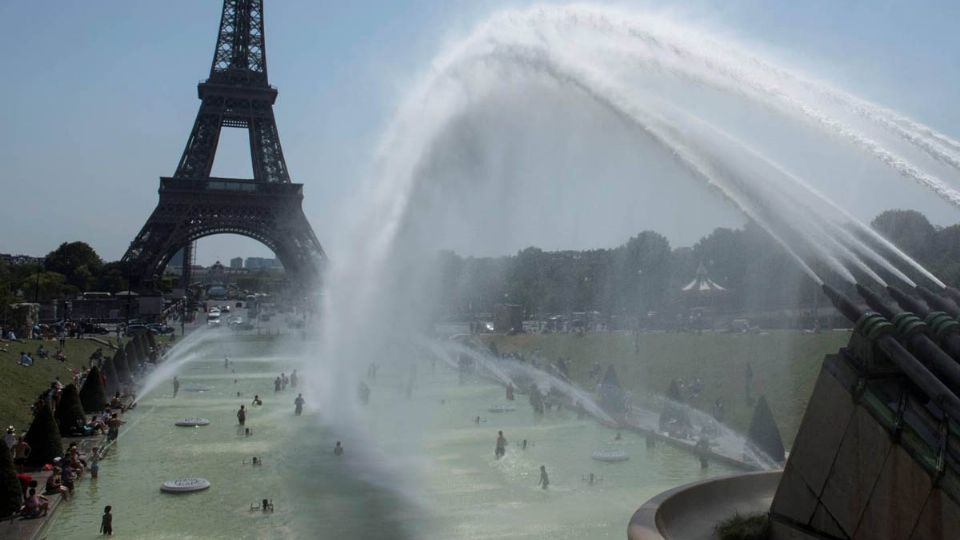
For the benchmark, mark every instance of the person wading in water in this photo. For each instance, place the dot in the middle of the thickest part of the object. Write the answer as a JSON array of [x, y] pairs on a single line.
[[544, 479], [242, 415], [501, 448], [299, 404]]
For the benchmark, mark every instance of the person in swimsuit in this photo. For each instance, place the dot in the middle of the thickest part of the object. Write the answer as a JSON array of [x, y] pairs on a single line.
[[35, 506], [501, 448], [544, 479], [21, 451], [338, 450], [256, 400], [242, 415], [299, 404], [106, 522], [176, 385], [113, 427]]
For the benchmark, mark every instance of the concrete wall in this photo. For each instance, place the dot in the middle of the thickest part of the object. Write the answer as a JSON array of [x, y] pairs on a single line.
[[867, 463]]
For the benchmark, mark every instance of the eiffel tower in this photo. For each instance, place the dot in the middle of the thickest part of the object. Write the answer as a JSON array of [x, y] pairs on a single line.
[[193, 204]]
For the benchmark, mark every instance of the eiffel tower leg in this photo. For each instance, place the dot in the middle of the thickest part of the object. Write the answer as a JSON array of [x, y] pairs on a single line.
[[186, 265]]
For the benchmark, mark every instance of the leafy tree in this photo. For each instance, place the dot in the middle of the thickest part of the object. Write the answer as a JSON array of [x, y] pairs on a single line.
[[51, 285], [93, 397], [112, 278], [909, 230], [75, 260], [44, 437], [69, 411]]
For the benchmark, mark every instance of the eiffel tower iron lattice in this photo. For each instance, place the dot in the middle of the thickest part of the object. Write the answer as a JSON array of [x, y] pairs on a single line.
[[192, 205]]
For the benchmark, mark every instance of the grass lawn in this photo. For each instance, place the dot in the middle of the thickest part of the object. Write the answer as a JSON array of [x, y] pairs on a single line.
[[785, 366], [21, 385]]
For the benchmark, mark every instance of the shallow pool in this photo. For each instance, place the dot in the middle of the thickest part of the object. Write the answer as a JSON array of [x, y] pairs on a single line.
[[429, 472]]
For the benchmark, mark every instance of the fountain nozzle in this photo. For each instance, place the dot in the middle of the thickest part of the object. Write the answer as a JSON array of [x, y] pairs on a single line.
[[909, 302], [842, 303], [878, 304], [939, 302]]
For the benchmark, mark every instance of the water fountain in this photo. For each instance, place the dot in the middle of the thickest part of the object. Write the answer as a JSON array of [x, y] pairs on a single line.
[[415, 463]]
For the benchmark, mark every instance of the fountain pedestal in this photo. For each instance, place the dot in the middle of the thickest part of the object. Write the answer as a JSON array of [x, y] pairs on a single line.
[[873, 458]]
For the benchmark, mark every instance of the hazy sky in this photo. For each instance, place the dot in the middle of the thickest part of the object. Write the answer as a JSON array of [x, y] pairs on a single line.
[[99, 97]]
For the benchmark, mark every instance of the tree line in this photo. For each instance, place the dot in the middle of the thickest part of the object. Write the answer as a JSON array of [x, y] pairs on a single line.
[[646, 274]]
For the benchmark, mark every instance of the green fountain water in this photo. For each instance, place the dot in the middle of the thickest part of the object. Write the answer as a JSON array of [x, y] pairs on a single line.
[[429, 471]]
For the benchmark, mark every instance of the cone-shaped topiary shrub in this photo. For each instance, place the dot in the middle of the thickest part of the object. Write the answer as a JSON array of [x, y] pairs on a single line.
[[123, 370], [113, 378], [44, 437], [763, 433], [93, 397], [69, 412], [10, 493]]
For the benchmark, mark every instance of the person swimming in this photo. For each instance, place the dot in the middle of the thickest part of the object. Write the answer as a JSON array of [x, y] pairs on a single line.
[[256, 400]]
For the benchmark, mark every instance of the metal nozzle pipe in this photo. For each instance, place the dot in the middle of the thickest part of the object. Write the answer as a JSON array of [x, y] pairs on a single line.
[[878, 304], [842, 303], [909, 302], [915, 334], [953, 293], [939, 302], [920, 375], [919, 372]]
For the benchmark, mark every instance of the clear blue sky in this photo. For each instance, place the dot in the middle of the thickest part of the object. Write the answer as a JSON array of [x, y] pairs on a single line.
[[99, 97]]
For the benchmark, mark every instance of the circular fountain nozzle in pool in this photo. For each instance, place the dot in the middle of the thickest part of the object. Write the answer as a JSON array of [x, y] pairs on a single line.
[[185, 485], [610, 456], [192, 422]]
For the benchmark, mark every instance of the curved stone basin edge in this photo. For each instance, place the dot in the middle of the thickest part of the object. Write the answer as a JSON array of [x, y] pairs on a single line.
[[691, 511]]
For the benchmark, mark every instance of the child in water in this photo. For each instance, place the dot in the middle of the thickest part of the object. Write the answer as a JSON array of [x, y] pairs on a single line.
[[106, 523], [95, 463]]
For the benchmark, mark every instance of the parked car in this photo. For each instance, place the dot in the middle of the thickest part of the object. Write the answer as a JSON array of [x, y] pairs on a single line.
[[134, 329], [161, 329], [91, 328]]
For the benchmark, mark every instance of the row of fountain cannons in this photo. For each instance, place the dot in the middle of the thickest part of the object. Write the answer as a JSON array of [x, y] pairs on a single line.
[[878, 451]]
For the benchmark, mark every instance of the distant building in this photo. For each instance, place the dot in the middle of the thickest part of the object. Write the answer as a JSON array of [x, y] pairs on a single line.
[[19, 259], [262, 263], [236, 262], [702, 286], [703, 298]]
